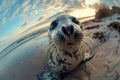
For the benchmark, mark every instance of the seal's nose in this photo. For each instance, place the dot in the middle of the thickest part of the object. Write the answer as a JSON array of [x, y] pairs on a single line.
[[67, 30]]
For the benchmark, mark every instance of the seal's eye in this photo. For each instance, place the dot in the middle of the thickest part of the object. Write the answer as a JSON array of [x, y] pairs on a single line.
[[53, 25], [75, 20]]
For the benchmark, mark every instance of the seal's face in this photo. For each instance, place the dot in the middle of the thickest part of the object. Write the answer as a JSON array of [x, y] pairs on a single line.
[[65, 30]]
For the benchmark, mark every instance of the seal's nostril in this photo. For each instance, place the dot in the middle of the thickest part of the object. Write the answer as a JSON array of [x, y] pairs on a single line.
[[64, 31], [67, 30], [70, 28]]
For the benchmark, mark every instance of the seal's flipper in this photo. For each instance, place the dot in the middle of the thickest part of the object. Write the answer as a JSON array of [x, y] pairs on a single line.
[[88, 56], [48, 75]]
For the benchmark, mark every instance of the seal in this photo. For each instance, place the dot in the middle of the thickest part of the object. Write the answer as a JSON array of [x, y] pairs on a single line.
[[68, 45]]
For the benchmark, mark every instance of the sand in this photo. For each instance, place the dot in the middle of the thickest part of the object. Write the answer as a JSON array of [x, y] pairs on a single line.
[[29, 59]]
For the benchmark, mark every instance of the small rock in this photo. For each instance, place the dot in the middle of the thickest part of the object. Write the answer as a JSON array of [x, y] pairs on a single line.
[[48, 75], [118, 18], [96, 20], [92, 27], [115, 25], [99, 35]]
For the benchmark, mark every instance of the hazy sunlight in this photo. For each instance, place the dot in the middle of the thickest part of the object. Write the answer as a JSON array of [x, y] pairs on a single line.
[[90, 2], [83, 12]]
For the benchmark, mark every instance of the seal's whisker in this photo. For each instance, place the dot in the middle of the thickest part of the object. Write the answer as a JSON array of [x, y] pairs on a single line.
[[87, 43], [83, 47], [67, 50], [88, 46], [88, 40]]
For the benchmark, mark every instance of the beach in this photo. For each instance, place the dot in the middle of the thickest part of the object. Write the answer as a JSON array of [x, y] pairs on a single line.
[[27, 56]]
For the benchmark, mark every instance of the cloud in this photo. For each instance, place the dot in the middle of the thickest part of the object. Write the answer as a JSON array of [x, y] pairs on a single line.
[[25, 3], [18, 8], [41, 18], [90, 2], [6, 4], [4, 20], [26, 8], [15, 12], [34, 6], [35, 3], [6, 11], [26, 24], [33, 13], [14, 8], [116, 2]]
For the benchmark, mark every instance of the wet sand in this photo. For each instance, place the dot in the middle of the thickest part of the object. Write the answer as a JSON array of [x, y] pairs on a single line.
[[29, 59], [25, 61]]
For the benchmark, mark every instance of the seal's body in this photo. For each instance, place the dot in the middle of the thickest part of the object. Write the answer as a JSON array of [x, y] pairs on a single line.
[[63, 60], [67, 44]]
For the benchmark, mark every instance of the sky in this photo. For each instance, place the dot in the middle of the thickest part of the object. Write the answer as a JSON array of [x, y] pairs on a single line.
[[16, 14]]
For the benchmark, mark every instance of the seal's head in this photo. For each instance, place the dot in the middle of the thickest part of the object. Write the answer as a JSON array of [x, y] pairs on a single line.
[[67, 43], [67, 47], [65, 30]]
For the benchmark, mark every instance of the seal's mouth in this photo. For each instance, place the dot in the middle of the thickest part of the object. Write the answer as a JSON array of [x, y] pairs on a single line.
[[70, 43], [70, 39], [65, 30]]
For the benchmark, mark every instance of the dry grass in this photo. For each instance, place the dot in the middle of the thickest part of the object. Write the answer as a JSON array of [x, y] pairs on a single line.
[[102, 11], [116, 9]]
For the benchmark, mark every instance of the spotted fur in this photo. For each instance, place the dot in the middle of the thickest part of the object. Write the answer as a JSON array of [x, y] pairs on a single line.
[[67, 44]]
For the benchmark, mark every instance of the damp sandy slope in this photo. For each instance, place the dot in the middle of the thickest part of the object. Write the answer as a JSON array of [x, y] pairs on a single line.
[[29, 59], [106, 63]]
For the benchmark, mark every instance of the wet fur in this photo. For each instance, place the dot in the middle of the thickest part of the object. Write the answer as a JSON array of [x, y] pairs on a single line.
[[64, 58]]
